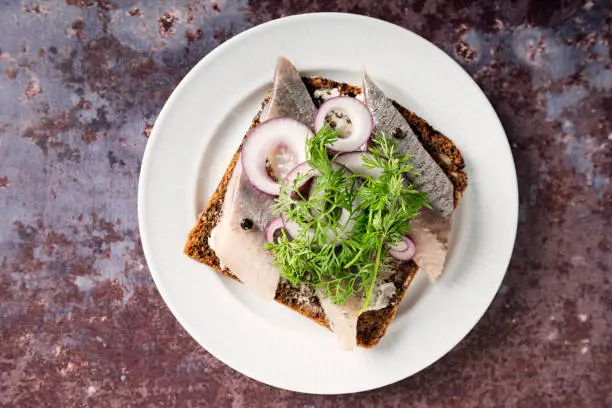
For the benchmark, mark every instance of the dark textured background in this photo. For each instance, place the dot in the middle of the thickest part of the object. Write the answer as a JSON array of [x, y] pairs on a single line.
[[81, 323]]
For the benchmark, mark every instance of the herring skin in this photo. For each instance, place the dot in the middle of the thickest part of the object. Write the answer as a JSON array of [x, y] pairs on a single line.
[[431, 179], [290, 98]]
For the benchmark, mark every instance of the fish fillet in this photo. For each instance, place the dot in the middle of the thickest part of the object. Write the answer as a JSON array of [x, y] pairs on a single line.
[[388, 120], [342, 319], [430, 233], [290, 98], [241, 250]]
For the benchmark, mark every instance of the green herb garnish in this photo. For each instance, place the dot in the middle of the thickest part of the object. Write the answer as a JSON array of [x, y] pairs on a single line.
[[326, 253]]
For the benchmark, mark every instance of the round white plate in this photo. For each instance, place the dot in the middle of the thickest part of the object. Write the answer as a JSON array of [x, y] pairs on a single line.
[[201, 126]]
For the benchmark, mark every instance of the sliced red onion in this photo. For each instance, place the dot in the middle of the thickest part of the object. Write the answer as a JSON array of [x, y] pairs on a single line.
[[274, 225], [293, 228], [399, 247], [354, 162], [356, 129], [300, 170], [263, 140], [408, 251]]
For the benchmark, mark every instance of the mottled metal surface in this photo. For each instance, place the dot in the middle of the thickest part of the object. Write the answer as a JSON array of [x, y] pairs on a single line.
[[81, 323]]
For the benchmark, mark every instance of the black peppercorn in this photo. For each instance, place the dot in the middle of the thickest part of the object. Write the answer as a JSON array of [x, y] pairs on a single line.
[[398, 133], [246, 224]]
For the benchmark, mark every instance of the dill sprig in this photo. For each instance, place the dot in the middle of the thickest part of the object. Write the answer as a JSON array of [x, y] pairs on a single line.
[[346, 220]]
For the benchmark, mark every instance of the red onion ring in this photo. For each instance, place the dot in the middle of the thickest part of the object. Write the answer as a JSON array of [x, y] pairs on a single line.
[[407, 253], [274, 225], [399, 247], [361, 122], [262, 140], [300, 170]]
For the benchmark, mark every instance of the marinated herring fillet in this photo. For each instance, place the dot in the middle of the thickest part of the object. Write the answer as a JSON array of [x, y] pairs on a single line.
[[431, 229], [289, 97], [343, 319], [253, 267], [430, 234], [431, 179], [372, 324], [247, 211]]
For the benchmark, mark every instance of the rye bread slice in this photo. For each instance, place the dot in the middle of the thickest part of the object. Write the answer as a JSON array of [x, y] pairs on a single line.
[[371, 325]]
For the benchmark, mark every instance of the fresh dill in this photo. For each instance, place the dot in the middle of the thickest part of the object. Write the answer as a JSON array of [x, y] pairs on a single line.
[[347, 221]]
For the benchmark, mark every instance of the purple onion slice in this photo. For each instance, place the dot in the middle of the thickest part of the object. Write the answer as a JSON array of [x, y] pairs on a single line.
[[349, 116], [264, 143]]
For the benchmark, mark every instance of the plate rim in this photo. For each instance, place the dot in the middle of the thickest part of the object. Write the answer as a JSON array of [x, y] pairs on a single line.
[[156, 135]]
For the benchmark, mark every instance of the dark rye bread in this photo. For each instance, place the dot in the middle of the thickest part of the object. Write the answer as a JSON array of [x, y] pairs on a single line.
[[371, 325]]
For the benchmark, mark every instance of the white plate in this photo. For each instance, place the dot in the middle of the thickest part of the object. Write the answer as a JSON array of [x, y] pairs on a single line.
[[199, 130]]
